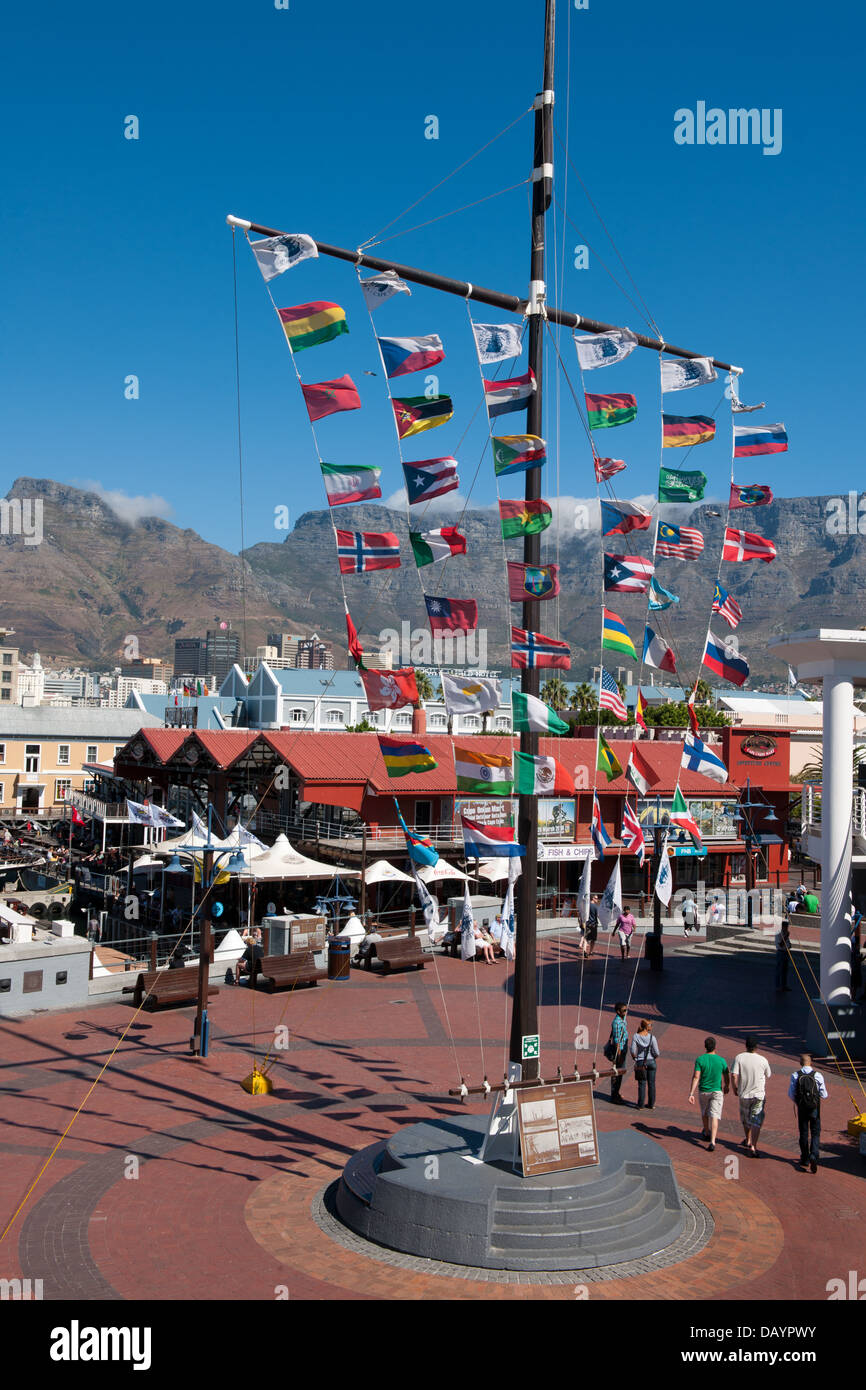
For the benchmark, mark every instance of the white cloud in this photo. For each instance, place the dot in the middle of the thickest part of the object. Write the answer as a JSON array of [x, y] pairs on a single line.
[[448, 502], [129, 509]]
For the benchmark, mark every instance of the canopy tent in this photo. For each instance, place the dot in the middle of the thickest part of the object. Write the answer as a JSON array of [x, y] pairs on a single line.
[[283, 861], [148, 862], [191, 839], [496, 870], [437, 873], [383, 872]]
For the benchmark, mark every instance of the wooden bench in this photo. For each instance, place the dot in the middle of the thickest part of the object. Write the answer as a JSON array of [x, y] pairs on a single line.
[[401, 951], [280, 972], [167, 987]]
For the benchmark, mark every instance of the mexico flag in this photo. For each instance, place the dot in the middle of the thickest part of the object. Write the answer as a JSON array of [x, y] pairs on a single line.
[[429, 547], [541, 776]]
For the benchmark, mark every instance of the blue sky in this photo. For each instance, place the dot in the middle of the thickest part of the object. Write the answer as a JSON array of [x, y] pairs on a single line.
[[312, 119]]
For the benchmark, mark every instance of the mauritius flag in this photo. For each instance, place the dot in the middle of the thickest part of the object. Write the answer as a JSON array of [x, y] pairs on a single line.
[[347, 484], [615, 636], [404, 355], [681, 431], [429, 547], [430, 478], [515, 453], [401, 757], [306, 325], [521, 518], [360, 551], [489, 841], [603, 411], [414, 414], [330, 397], [759, 439], [731, 668], [452, 614]]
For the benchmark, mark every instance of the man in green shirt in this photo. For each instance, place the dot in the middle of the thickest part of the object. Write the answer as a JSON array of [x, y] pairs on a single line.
[[712, 1078]]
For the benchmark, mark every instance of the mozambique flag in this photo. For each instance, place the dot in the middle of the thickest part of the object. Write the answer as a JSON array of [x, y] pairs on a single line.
[[521, 518], [607, 760], [401, 757], [306, 325], [681, 431], [614, 634], [414, 414], [609, 410]]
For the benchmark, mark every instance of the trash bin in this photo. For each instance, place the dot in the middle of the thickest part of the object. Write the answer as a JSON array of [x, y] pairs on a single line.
[[654, 951], [339, 957]]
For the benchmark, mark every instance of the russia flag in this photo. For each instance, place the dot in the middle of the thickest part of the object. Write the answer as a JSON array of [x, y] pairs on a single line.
[[730, 668], [404, 355]]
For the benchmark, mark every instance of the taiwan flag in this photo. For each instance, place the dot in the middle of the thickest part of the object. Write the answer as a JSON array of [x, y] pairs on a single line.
[[330, 397], [452, 614]]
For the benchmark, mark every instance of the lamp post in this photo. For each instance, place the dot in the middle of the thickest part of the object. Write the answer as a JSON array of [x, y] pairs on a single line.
[[655, 944]]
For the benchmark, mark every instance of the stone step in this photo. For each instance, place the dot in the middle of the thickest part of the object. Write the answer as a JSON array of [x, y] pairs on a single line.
[[361, 1172], [551, 1196], [570, 1214], [593, 1229], [632, 1246]]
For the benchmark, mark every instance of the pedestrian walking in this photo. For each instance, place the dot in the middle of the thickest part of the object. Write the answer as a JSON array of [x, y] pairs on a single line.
[[807, 1090], [783, 957], [712, 1077], [616, 1050], [645, 1052], [749, 1076], [624, 927], [592, 926], [690, 915]]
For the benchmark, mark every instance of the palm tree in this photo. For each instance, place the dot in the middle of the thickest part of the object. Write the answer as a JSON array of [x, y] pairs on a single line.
[[554, 692], [584, 699], [703, 693], [424, 684], [814, 771]]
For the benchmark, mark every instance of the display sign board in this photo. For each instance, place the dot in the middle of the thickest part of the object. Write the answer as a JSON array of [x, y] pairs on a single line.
[[549, 851], [557, 1127], [555, 818], [530, 1046]]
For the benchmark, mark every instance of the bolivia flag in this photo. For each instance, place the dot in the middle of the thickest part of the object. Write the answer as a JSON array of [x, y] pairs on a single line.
[[681, 816], [532, 582], [308, 324], [482, 772], [681, 431], [429, 547], [759, 439], [489, 841], [603, 411], [521, 518], [656, 652], [404, 355], [607, 760], [731, 668], [402, 758], [350, 484], [329, 397], [540, 776], [530, 715], [614, 634], [361, 551], [452, 614], [414, 414], [515, 453]]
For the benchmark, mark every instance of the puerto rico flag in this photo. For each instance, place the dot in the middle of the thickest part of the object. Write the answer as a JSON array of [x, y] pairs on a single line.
[[431, 478], [759, 439], [627, 574], [532, 649], [746, 545], [730, 668], [502, 397], [489, 841], [632, 835], [360, 551], [452, 614], [600, 838], [404, 355], [726, 607]]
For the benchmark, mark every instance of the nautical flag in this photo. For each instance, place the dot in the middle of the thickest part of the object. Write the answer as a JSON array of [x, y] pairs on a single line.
[[600, 838], [419, 849], [429, 547], [584, 891], [390, 689], [529, 715], [750, 495], [632, 834], [680, 485], [604, 411], [471, 694], [690, 710], [414, 414], [361, 551], [355, 649], [639, 772], [489, 841], [404, 355], [618, 518], [679, 542], [639, 710], [274, 254], [482, 772], [717, 659], [467, 927], [681, 431], [726, 607], [747, 545], [603, 349], [657, 653], [660, 598], [540, 776], [502, 397], [609, 696], [664, 884], [496, 342], [627, 574], [429, 906], [330, 397], [683, 372], [520, 518], [515, 453], [307, 325], [697, 757], [610, 907], [452, 614], [606, 468], [615, 636], [528, 582], [792, 679], [759, 439], [380, 287], [430, 478], [681, 816], [402, 757], [607, 761], [508, 934], [350, 484], [532, 649]]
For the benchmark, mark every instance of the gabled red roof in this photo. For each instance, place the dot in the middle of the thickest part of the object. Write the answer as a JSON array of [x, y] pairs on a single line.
[[225, 746], [664, 757], [164, 742]]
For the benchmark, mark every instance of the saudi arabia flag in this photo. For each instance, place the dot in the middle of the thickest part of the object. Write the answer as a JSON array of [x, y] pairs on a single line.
[[533, 716], [428, 547]]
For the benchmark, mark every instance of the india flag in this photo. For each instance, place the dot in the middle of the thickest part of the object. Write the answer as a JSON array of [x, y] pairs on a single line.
[[482, 772]]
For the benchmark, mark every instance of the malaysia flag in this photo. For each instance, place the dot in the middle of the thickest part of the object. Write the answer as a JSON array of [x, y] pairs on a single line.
[[452, 614], [679, 542]]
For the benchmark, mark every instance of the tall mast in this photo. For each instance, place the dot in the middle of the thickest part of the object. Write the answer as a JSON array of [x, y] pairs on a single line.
[[524, 1014]]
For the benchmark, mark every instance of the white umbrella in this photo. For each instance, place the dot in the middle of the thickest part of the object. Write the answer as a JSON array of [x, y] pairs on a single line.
[[383, 872], [495, 870], [282, 861], [437, 873]]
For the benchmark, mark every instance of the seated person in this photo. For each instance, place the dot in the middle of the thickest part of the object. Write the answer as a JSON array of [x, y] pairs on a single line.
[[365, 948], [483, 943], [254, 950]]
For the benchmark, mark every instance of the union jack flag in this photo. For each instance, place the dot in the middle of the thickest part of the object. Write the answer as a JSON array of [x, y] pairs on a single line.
[[679, 542], [726, 607], [632, 834], [609, 696]]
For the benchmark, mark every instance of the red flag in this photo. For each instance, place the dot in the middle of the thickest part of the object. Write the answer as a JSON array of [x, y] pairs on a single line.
[[639, 710], [605, 468], [328, 397], [390, 689], [452, 614], [77, 817], [747, 545], [355, 648], [690, 705]]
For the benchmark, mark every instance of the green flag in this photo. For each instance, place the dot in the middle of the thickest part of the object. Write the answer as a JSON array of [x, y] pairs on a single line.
[[607, 761], [532, 716], [680, 485]]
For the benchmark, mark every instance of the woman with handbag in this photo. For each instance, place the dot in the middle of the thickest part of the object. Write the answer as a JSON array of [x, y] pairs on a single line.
[[645, 1051]]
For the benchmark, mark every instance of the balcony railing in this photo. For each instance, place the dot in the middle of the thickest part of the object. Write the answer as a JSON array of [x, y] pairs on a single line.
[[811, 813], [269, 824]]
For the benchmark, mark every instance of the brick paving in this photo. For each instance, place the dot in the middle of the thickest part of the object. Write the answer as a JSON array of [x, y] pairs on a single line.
[[174, 1183]]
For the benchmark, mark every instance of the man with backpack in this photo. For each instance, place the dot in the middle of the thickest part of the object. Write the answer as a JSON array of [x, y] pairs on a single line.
[[807, 1090]]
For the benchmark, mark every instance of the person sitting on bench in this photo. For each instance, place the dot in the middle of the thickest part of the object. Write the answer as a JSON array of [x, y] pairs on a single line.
[[366, 945], [254, 951]]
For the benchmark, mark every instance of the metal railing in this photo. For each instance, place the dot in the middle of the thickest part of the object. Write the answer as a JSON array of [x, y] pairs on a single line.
[[811, 804], [271, 823]]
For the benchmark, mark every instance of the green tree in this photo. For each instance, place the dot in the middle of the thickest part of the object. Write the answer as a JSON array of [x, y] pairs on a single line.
[[555, 693], [425, 685], [703, 693], [362, 727], [676, 716], [584, 699], [814, 771]]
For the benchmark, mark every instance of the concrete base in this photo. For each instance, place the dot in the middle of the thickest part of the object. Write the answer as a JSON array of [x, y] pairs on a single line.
[[425, 1192], [848, 1021]]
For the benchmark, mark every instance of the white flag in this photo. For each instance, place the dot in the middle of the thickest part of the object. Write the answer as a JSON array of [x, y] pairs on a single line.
[[137, 813], [162, 819], [199, 826], [278, 253], [496, 341], [381, 287], [583, 892], [736, 404], [508, 935], [471, 694], [246, 837], [603, 349], [681, 372], [467, 928], [430, 908], [664, 879], [792, 679], [610, 907]]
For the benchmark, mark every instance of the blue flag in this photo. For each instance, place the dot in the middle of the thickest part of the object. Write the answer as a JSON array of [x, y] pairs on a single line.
[[660, 598]]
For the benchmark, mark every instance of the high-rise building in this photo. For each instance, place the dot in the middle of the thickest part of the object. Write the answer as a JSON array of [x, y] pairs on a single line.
[[8, 668], [222, 650], [308, 653], [189, 656]]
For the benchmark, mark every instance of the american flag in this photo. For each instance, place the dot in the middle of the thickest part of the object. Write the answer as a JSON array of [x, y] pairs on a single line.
[[679, 542], [726, 607], [609, 696], [632, 834]]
